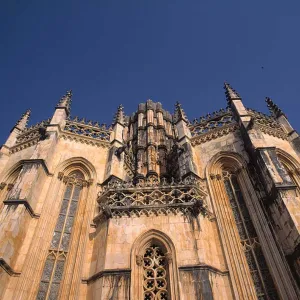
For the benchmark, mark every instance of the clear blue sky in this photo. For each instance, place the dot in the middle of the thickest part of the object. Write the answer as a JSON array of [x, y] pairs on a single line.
[[126, 51]]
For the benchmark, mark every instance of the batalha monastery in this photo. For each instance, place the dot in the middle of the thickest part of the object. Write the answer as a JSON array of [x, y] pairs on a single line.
[[154, 207]]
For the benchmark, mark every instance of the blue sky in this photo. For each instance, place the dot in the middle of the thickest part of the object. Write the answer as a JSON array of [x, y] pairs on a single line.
[[126, 51]]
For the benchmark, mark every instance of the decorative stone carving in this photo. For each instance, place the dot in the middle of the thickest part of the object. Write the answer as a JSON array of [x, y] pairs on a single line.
[[88, 129], [139, 260], [60, 175], [10, 186], [154, 197], [2, 185], [169, 257]]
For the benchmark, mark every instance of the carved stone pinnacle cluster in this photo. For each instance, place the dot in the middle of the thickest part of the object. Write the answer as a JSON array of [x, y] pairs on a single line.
[[66, 101], [273, 108], [231, 94]]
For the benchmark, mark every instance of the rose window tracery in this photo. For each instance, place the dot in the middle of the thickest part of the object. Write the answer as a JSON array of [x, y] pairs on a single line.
[[155, 274]]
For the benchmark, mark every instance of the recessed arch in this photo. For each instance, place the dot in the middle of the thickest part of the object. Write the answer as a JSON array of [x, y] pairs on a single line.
[[291, 166], [145, 238], [9, 175], [77, 163], [230, 161], [244, 231], [288, 160]]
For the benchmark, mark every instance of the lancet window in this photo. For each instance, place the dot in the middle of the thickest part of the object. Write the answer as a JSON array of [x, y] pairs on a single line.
[[263, 282], [54, 266], [155, 274]]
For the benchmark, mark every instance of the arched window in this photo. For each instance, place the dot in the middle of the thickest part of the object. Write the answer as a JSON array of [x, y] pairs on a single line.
[[54, 266], [262, 279], [156, 275], [256, 266]]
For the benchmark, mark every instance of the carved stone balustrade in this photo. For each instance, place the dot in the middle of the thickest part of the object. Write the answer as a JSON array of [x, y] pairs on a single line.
[[152, 197]]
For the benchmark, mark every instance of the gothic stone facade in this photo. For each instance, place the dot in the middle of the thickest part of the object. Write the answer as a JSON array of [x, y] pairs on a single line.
[[153, 207]]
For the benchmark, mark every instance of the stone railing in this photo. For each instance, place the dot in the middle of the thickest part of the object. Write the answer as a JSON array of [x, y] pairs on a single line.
[[89, 129], [212, 126]]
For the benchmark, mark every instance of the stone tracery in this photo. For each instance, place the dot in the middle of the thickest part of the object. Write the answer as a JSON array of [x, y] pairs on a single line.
[[155, 274]]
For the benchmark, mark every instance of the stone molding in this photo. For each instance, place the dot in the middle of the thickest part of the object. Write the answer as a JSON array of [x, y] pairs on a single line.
[[214, 134], [204, 267], [22, 202], [84, 139], [36, 161], [74, 180], [24, 145], [107, 272], [7, 268]]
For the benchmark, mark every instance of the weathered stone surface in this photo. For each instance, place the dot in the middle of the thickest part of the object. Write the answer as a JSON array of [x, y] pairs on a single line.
[[152, 189]]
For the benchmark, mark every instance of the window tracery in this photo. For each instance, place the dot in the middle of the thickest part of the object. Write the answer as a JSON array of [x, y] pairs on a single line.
[[263, 282], [155, 273], [54, 266]]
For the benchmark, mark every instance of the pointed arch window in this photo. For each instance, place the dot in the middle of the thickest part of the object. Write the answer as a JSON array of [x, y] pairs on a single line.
[[156, 277], [262, 279], [54, 266]]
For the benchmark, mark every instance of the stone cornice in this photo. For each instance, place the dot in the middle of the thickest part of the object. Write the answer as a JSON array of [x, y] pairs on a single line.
[[209, 268], [84, 139], [213, 134], [108, 272], [24, 145], [37, 161], [22, 202]]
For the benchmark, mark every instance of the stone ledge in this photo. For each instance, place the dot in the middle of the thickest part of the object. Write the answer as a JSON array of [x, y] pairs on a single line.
[[7, 268], [37, 161], [25, 203], [203, 267], [108, 272]]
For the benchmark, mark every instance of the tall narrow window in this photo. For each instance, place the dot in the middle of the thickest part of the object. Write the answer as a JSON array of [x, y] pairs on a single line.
[[155, 274], [263, 282], [55, 262]]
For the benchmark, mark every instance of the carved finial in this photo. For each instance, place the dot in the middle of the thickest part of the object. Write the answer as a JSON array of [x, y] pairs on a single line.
[[66, 101], [119, 116], [179, 113], [230, 93], [22, 122], [273, 108]]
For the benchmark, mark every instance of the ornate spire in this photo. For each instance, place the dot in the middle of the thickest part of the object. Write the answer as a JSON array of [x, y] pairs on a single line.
[[179, 113], [119, 116], [66, 101], [230, 93], [273, 108], [22, 122]]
